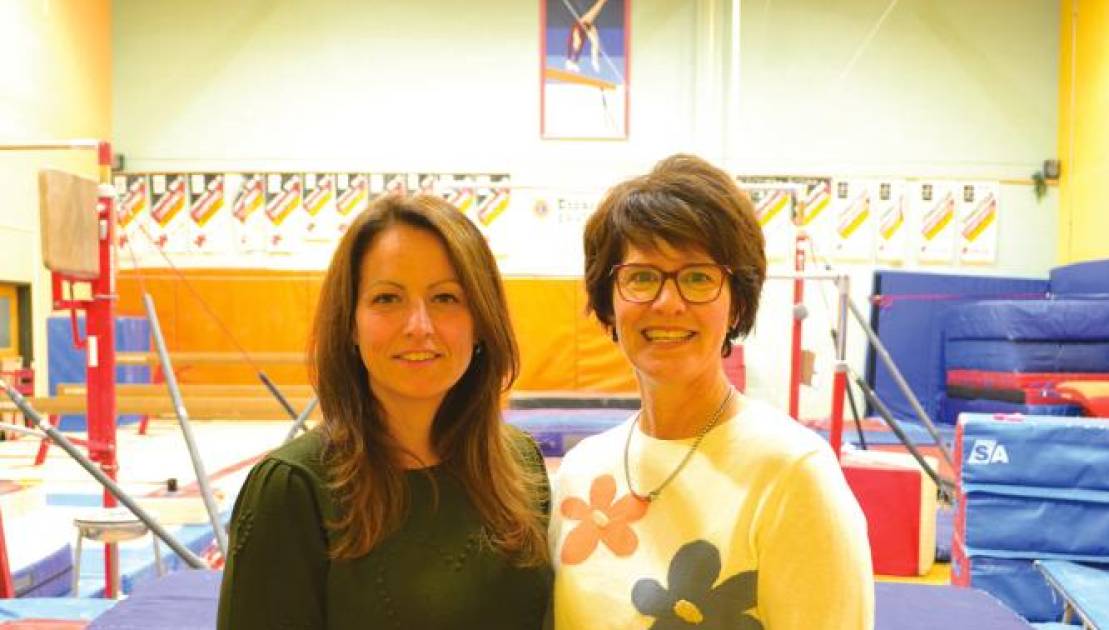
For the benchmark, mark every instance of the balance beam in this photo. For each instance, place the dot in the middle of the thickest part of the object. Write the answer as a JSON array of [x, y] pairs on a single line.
[[199, 406], [212, 358], [221, 390]]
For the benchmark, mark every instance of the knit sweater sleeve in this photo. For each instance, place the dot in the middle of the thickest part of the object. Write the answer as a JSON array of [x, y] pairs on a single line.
[[814, 558], [276, 570]]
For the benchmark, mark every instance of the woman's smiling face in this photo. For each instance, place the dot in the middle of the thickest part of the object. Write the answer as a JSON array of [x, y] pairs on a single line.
[[669, 339], [413, 325]]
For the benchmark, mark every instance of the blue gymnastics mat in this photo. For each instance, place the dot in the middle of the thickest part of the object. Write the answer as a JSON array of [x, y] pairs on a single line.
[[1029, 320], [908, 317], [999, 355]]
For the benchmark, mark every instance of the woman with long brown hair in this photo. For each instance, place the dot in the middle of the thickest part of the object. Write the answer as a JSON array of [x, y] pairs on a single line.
[[412, 505]]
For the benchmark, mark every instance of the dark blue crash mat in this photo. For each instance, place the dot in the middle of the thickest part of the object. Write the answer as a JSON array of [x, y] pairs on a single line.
[[1000, 355], [187, 600], [899, 606], [1029, 320]]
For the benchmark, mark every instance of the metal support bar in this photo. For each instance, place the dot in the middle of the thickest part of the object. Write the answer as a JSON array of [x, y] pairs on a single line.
[[277, 394], [189, 557], [945, 486], [15, 428], [901, 383], [186, 427], [301, 419]]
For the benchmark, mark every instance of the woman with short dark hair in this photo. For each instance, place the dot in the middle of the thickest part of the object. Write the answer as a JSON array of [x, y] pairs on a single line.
[[706, 508], [413, 505]]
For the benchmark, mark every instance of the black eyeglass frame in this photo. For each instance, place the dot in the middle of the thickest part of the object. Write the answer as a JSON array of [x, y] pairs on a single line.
[[667, 275]]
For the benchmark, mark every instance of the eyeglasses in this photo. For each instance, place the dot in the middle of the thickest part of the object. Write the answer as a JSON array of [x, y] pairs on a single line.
[[697, 284]]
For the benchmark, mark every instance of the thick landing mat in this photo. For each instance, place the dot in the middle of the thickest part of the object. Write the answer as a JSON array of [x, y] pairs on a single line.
[[1029, 320]]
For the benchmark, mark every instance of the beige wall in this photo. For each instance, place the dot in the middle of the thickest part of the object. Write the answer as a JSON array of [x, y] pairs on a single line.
[[1084, 130], [943, 88], [56, 84]]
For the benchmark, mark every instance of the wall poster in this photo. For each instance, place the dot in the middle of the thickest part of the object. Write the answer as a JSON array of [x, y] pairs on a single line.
[[584, 69]]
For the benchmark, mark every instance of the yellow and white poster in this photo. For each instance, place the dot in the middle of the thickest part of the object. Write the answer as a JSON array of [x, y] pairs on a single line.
[[169, 201], [392, 184], [284, 194], [353, 195], [248, 190], [889, 207], [132, 218], [774, 199], [209, 222], [978, 222], [812, 213], [493, 193], [933, 211], [319, 206], [852, 210], [460, 190]]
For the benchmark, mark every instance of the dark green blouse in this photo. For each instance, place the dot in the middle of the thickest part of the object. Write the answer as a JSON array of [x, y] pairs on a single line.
[[437, 571]]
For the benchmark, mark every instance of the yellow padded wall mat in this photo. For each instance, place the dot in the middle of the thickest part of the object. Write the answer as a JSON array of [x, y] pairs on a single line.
[[561, 349]]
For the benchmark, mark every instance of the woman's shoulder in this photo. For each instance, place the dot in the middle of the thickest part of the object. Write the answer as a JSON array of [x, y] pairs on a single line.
[[770, 432], [303, 455], [525, 446]]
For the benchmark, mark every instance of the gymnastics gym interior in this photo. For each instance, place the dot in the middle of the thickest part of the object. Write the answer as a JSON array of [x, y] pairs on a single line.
[[930, 177]]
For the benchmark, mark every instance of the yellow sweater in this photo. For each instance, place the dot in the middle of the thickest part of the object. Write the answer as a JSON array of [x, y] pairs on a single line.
[[758, 530]]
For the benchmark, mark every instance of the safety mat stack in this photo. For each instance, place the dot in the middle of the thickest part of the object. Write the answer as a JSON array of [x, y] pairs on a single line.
[[1030, 487], [1006, 356]]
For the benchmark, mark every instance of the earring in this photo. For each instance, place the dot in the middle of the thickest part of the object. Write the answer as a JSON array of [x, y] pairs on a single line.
[[478, 349]]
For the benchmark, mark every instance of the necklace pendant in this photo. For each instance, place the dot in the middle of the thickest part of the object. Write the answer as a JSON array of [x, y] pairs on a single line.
[[651, 496]]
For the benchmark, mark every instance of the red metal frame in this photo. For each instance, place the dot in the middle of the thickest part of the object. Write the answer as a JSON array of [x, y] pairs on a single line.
[[795, 348], [839, 381], [7, 590], [99, 343]]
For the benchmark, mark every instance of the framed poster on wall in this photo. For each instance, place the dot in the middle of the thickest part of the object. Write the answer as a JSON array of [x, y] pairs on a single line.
[[584, 69]]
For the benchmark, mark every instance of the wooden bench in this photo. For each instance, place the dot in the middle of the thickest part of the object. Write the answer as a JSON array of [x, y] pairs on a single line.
[[1085, 591]]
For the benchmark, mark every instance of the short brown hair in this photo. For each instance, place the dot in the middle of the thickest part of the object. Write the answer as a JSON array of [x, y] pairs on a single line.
[[685, 202], [468, 432]]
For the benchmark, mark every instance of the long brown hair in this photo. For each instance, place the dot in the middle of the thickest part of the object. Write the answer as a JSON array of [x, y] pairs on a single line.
[[468, 432]]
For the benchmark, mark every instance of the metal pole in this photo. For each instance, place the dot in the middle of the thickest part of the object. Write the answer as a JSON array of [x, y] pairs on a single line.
[[839, 380], [901, 384], [189, 557], [51, 145], [301, 419], [186, 427], [942, 484], [795, 352], [15, 428], [277, 394]]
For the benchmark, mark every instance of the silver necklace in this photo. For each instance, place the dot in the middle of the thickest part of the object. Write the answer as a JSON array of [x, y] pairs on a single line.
[[653, 494]]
